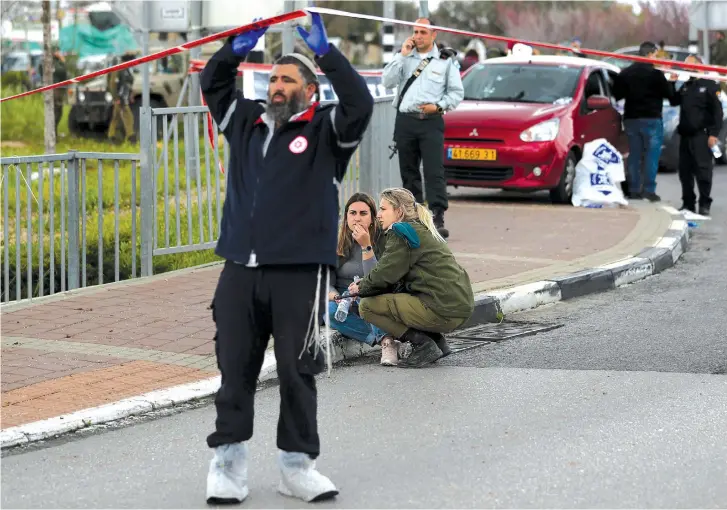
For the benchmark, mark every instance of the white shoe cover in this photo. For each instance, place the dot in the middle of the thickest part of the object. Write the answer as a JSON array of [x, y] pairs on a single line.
[[299, 478], [227, 476]]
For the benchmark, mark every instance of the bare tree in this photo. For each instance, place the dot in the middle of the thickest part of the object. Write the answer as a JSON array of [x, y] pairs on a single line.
[[50, 122]]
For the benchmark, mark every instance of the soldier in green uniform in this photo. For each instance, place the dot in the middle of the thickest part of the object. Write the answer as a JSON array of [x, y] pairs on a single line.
[[60, 73], [120, 83]]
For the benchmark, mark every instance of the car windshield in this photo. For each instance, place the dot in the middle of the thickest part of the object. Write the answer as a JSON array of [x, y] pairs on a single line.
[[521, 83], [15, 62]]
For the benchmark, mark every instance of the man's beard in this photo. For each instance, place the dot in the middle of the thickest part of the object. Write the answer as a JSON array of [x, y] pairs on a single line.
[[282, 112]]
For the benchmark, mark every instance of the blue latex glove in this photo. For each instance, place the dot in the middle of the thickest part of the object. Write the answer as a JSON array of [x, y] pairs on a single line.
[[243, 43], [317, 40]]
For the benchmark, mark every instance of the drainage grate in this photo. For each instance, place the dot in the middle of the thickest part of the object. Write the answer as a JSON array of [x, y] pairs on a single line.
[[462, 344], [493, 332]]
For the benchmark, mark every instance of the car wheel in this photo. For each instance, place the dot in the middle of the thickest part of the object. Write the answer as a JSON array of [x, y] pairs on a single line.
[[76, 128], [564, 192]]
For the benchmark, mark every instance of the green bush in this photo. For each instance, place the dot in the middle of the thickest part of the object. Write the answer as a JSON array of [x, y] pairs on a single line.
[[22, 119], [16, 80]]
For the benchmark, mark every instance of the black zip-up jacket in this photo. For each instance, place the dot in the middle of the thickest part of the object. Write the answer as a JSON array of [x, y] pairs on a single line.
[[644, 88], [701, 109], [281, 200]]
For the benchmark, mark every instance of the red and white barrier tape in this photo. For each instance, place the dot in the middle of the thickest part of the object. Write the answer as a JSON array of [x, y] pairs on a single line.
[[668, 64], [169, 51]]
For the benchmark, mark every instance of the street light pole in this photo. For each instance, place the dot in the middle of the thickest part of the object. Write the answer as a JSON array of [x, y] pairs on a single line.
[[424, 9], [705, 39], [288, 36]]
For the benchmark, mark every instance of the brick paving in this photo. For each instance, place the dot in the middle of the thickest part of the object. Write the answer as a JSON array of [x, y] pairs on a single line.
[[102, 344]]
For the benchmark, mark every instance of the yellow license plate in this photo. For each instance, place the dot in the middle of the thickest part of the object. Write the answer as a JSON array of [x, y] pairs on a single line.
[[472, 154]]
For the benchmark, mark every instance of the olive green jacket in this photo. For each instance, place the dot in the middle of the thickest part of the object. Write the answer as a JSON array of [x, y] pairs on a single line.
[[417, 263]]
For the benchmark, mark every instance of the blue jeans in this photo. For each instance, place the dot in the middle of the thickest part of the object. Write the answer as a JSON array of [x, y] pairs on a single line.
[[645, 138], [354, 326]]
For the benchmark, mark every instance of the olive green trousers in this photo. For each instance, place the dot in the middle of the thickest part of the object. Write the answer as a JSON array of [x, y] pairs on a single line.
[[395, 313]]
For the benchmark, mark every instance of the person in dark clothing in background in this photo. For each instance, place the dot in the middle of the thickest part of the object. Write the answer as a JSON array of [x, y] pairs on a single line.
[[278, 237], [700, 121], [120, 85], [644, 89]]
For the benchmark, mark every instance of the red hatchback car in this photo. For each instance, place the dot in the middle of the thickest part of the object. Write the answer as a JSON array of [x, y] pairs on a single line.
[[524, 121]]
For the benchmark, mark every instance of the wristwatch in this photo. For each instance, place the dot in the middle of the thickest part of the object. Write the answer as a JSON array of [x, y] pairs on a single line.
[[368, 249], [440, 110]]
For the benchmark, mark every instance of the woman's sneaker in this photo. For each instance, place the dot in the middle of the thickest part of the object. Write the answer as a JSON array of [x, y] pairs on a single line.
[[227, 476], [389, 352], [300, 479]]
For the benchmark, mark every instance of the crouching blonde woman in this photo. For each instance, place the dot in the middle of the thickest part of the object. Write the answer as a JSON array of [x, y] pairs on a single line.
[[417, 291]]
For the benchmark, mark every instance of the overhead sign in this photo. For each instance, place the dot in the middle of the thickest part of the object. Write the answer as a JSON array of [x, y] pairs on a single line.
[[164, 15], [220, 14]]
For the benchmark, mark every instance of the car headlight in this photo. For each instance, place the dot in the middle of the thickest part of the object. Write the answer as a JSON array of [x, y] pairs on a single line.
[[108, 97], [543, 132], [81, 97]]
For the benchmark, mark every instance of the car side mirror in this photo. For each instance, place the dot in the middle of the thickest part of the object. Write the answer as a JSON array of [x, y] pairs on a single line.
[[598, 103]]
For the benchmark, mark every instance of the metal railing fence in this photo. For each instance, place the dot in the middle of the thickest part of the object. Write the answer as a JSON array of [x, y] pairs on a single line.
[[64, 227], [60, 221]]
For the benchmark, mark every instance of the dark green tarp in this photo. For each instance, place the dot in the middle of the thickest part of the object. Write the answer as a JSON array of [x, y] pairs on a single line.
[[86, 40]]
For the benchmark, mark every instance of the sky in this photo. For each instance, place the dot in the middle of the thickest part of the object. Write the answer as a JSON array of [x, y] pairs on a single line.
[[433, 4]]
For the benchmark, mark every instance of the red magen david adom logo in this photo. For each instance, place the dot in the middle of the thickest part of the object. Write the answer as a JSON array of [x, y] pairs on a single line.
[[298, 145]]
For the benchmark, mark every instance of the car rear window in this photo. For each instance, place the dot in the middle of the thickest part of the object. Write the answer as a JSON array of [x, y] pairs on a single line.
[[522, 83]]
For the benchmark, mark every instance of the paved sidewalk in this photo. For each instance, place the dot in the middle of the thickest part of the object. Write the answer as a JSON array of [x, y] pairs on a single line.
[[99, 345]]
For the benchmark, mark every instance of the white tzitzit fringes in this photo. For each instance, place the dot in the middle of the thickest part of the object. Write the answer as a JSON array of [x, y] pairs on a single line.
[[313, 338], [329, 361]]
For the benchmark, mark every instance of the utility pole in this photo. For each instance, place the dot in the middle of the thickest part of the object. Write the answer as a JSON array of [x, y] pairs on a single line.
[[424, 9], [387, 37], [288, 36], [705, 32], [146, 15], [195, 19]]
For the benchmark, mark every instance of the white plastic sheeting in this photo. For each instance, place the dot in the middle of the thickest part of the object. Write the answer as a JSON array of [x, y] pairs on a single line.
[[599, 175]]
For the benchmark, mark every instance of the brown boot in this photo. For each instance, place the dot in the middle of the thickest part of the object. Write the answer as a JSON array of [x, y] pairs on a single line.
[[389, 352]]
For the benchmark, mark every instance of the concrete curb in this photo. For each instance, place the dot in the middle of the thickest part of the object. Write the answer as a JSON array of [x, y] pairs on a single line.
[[650, 261]]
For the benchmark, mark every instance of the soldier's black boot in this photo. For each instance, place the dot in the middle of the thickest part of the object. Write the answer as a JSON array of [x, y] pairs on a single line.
[[438, 215], [441, 343], [424, 349]]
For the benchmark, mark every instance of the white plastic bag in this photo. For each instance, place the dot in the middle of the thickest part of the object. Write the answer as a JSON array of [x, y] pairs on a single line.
[[599, 175]]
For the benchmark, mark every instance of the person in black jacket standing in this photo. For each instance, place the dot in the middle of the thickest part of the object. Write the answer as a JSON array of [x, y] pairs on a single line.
[[700, 121], [644, 89], [278, 237]]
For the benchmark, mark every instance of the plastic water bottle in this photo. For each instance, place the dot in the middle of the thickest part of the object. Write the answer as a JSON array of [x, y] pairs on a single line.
[[343, 306], [716, 151]]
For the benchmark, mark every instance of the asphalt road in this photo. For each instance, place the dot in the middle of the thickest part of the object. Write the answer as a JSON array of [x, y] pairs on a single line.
[[624, 406]]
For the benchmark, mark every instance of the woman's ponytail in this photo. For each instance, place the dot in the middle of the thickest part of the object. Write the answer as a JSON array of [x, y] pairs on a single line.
[[426, 219], [403, 201]]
